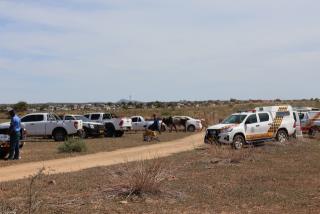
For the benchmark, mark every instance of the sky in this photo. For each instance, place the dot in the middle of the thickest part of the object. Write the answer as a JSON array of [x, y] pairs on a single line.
[[106, 50]]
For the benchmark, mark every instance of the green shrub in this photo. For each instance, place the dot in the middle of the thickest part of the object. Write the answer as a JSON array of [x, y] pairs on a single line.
[[73, 145]]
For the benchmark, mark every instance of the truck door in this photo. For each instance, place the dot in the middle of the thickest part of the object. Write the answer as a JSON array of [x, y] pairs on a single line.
[[51, 124], [264, 125], [251, 127], [135, 123], [303, 116], [34, 124]]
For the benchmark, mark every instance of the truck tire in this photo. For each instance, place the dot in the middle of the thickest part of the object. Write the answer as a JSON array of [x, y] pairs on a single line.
[[110, 130], [3, 154], [312, 132], [191, 128], [59, 134], [282, 136], [119, 133], [238, 142]]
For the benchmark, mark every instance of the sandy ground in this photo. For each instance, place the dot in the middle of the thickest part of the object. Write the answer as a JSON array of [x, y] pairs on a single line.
[[73, 164]]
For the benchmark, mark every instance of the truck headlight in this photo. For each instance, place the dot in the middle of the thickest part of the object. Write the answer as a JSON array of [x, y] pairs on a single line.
[[227, 130]]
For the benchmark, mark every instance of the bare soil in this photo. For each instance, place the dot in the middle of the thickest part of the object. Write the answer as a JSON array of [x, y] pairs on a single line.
[[46, 149], [271, 178]]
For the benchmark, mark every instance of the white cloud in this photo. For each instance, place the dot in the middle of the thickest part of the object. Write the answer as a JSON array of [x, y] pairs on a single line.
[[210, 46]]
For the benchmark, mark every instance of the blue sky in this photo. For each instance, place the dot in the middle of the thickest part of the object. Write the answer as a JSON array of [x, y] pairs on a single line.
[[105, 50]]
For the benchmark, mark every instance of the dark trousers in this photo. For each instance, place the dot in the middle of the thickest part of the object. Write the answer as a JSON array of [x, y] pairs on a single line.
[[14, 146]]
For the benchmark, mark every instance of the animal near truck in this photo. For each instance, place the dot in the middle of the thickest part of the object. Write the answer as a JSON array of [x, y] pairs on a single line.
[[259, 125]]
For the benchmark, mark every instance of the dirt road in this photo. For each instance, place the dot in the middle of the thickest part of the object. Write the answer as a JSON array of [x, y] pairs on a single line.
[[73, 164]]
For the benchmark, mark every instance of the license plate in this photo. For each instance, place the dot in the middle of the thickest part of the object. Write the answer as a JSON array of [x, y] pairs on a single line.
[[4, 137]]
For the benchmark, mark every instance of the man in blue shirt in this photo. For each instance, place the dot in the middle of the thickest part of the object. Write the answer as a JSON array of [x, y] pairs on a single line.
[[15, 128], [156, 124]]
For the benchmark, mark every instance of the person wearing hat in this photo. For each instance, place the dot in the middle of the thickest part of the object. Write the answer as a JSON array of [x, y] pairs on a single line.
[[15, 128]]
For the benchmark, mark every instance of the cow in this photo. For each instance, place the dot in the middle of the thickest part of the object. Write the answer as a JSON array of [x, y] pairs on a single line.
[[174, 123]]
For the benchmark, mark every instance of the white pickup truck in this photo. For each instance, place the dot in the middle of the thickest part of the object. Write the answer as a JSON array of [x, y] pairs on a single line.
[[114, 126], [140, 124], [260, 125], [47, 124]]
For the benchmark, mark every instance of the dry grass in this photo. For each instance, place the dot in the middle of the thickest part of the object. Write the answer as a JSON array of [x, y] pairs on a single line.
[[267, 179], [145, 177], [31, 193]]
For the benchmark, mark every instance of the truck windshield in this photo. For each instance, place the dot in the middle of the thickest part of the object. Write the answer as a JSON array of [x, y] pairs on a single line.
[[84, 119], [235, 119]]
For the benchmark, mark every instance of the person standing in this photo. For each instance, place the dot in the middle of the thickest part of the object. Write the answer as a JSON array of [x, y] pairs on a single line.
[[15, 128], [156, 124]]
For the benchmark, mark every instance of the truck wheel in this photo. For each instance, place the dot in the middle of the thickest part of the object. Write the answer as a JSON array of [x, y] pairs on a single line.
[[59, 135], [2, 154], [191, 128], [238, 142], [110, 130], [282, 136], [312, 132], [119, 133]]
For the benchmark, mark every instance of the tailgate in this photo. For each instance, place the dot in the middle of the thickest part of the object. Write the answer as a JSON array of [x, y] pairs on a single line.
[[126, 122]]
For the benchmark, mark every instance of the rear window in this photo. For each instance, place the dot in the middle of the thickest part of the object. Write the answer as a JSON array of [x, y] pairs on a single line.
[[86, 115], [264, 117], [135, 119], [95, 116]]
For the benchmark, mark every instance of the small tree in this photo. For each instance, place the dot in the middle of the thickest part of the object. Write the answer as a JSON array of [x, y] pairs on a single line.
[[21, 106]]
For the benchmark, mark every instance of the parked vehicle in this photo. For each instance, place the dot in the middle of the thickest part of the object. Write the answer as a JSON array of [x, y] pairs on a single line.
[[114, 126], [91, 129], [310, 122], [5, 133], [140, 124], [259, 125], [50, 125], [191, 124]]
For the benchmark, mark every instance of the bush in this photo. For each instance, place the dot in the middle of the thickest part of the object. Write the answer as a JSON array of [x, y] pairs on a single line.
[[73, 145], [146, 177]]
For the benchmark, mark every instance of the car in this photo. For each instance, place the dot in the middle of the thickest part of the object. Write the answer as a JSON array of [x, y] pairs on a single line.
[[255, 126], [310, 122], [91, 129], [191, 124]]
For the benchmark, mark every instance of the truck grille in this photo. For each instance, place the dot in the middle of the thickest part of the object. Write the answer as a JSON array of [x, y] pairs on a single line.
[[212, 135]]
